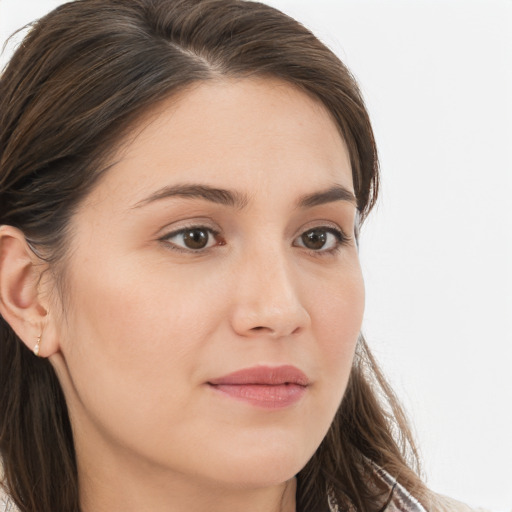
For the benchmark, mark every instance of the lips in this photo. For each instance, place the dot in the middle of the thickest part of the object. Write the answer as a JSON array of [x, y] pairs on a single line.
[[263, 386]]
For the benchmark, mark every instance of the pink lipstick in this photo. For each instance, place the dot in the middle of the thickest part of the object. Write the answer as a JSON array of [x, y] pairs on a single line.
[[264, 386]]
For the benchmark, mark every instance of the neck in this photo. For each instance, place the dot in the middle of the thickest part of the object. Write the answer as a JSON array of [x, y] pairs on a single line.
[[122, 484], [132, 493]]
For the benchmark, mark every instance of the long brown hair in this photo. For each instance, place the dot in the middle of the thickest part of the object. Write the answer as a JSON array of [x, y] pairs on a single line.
[[78, 82]]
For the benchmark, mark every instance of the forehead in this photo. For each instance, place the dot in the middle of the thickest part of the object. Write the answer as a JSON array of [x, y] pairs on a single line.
[[248, 134]]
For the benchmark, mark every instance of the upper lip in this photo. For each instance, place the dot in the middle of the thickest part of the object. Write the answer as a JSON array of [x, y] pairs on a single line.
[[264, 375]]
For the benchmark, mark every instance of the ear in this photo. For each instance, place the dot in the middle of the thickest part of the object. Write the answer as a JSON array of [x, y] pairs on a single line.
[[22, 304]]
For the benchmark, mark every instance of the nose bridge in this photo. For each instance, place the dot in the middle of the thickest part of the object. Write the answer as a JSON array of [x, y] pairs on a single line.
[[268, 299]]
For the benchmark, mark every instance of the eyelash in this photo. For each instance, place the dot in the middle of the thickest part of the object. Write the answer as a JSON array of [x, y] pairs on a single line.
[[341, 239]]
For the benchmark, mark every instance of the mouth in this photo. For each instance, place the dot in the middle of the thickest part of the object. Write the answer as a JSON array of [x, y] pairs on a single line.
[[263, 386]]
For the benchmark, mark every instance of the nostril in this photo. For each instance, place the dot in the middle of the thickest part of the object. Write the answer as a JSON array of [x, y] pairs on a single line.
[[262, 329]]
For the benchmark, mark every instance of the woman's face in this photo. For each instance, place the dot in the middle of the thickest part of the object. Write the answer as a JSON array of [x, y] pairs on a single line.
[[221, 240]]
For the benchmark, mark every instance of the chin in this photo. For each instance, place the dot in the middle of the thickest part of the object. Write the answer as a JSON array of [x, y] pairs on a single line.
[[262, 465]]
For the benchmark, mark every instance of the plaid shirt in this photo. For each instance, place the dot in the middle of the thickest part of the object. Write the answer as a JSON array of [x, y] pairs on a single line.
[[401, 500]]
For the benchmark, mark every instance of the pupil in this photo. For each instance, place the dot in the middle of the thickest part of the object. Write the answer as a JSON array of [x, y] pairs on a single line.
[[195, 239], [314, 239]]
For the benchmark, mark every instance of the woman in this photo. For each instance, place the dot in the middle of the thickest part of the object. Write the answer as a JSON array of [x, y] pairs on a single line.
[[182, 184]]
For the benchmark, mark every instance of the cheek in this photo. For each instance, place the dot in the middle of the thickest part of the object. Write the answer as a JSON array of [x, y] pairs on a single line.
[[338, 310], [134, 311], [338, 303], [134, 333]]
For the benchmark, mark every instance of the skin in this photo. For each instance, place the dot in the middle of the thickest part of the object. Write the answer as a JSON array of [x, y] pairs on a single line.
[[146, 325]]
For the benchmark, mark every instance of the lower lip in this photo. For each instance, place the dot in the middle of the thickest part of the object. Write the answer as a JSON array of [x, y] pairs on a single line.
[[261, 395]]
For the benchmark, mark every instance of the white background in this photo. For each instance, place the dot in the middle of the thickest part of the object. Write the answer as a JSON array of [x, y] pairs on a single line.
[[437, 254]]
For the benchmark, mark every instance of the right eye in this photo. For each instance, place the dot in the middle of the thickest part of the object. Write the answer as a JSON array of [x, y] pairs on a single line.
[[192, 239]]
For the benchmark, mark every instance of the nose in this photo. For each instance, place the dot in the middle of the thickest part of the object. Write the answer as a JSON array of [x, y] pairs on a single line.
[[268, 301]]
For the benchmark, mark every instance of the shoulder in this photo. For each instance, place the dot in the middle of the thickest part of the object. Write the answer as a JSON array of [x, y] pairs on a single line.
[[440, 503], [403, 501], [6, 505]]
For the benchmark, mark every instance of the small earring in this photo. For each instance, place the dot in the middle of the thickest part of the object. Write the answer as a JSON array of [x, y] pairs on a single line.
[[36, 348]]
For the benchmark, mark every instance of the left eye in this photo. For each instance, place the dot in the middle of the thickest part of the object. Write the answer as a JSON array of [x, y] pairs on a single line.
[[320, 239], [193, 239]]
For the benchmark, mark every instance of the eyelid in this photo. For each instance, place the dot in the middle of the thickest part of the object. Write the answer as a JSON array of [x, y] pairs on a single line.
[[319, 223], [325, 224], [188, 223]]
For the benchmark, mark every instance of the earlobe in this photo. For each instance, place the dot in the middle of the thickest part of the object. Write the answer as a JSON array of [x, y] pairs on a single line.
[[21, 304]]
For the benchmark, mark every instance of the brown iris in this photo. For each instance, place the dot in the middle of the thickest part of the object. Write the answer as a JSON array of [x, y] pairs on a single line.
[[314, 239], [195, 238]]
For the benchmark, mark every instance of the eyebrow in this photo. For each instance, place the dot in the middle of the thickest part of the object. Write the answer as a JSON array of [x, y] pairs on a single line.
[[212, 194], [332, 194], [239, 200]]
